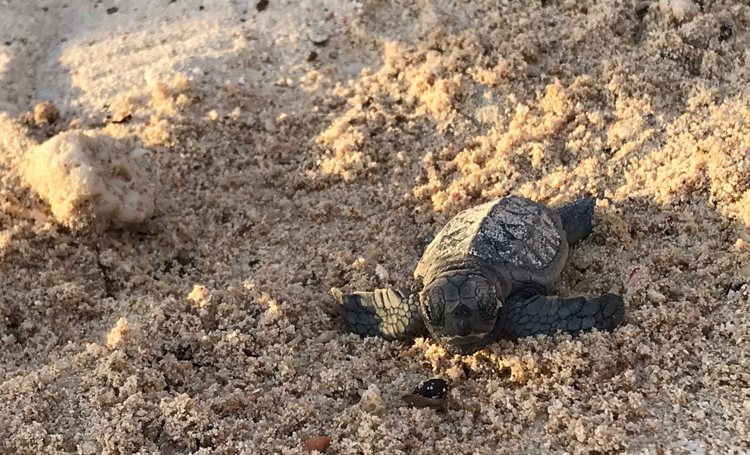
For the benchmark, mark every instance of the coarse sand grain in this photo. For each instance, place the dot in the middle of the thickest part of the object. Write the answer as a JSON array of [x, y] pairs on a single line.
[[300, 145]]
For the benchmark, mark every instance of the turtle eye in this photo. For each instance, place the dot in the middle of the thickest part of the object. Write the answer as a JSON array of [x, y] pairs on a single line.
[[426, 308], [434, 307], [487, 303]]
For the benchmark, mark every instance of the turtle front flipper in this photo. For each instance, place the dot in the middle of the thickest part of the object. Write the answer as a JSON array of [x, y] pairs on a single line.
[[524, 315], [578, 218], [392, 314]]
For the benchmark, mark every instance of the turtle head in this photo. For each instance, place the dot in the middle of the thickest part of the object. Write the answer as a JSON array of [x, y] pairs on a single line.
[[460, 310]]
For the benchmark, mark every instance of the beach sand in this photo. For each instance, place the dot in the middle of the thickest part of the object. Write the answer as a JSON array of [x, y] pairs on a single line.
[[279, 148]]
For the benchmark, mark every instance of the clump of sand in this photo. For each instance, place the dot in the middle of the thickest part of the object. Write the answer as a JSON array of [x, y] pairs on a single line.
[[90, 178], [117, 336]]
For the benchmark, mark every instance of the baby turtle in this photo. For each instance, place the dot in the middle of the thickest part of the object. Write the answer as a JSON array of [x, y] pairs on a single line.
[[487, 275], [432, 393]]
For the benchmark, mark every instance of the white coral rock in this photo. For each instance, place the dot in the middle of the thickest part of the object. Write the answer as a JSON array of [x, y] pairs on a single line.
[[90, 178]]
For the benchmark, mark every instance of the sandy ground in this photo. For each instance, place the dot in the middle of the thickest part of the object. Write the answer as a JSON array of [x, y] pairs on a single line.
[[296, 146]]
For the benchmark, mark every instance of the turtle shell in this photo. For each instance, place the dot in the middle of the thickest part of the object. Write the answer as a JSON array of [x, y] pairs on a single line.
[[512, 234]]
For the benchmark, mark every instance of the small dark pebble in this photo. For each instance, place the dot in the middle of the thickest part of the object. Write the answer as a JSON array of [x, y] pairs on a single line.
[[641, 9], [112, 10], [312, 56], [261, 5], [725, 32], [432, 393], [432, 388], [319, 41], [317, 443], [124, 119], [201, 8]]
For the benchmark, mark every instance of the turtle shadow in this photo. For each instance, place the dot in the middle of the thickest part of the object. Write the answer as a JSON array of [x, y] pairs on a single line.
[[659, 252]]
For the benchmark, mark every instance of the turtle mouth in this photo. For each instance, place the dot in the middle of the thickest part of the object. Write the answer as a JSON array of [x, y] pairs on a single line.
[[467, 344], [467, 339]]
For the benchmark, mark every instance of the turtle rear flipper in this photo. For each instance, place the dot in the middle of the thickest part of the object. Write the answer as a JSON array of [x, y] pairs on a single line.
[[545, 315], [578, 218], [392, 314]]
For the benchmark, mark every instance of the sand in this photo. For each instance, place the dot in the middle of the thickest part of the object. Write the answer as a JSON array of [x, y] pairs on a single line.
[[295, 146]]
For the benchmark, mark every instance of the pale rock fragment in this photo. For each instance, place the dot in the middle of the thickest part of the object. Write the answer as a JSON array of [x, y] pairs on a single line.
[[371, 400], [91, 179], [679, 10]]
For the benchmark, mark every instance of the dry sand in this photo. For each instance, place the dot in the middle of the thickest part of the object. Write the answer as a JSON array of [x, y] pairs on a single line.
[[303, 145]]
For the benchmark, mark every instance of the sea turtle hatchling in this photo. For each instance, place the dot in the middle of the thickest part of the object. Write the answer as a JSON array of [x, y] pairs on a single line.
[[487, 275]]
